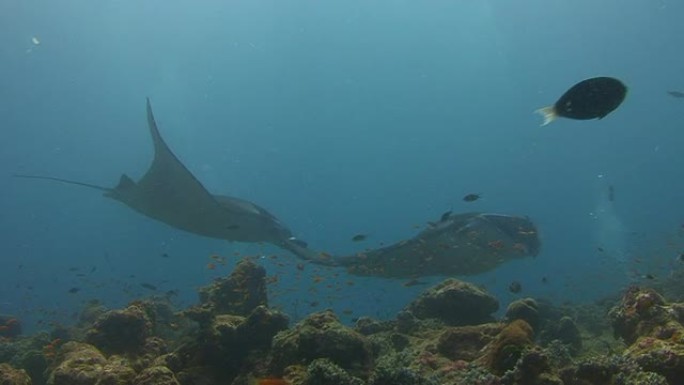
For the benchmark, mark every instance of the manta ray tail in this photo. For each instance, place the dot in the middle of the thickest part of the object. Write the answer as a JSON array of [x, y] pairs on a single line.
[[107, 189], [300, 249]]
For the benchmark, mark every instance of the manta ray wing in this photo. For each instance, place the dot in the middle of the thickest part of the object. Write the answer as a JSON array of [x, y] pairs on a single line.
[[170, 193]]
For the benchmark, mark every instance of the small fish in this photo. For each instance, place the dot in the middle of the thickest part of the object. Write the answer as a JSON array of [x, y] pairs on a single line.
[[649, 276], [515, 287], [472, 197], [165, 255], [544, 280], [171, 293], [611, 193], [589, 99], [681, 257], [359, 237], [74, 290], [413, 282], [445, 216], [148, 286], [676, 94], [211, 266], [600, 249], [220, 260]]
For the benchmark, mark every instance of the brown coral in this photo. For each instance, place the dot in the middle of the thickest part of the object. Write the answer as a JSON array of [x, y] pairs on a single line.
[[507, 347], [240, 293], [12, 376], [321, 335], [456, 303], [83, 364], [121, 331]]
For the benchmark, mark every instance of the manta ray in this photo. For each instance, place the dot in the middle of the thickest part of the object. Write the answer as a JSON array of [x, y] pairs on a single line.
[[459, 244], [170, 193]]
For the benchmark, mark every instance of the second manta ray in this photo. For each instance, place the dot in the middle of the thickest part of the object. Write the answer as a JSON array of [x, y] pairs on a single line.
[[459, 244], [168, 192]]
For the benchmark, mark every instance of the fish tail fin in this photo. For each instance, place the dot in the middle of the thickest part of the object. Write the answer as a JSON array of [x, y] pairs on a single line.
[[68, 181], [549, 114]]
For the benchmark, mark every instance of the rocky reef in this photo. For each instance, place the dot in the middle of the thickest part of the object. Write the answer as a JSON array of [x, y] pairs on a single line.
[[446, 336]]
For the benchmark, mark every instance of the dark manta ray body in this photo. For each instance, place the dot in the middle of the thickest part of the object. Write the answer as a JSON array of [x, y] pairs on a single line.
[[168, 192], [461, 244]]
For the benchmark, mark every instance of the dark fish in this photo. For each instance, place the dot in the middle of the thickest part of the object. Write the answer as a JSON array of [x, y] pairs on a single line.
[[649, 276], [445, 216], [413, 282], [600, 249], [359, 237], [611, 193], [515, 287], [681, 257], [148, 286], [676, 94], [544, 280], [471, 197], [74, 290], [165, 255], [589, 99]]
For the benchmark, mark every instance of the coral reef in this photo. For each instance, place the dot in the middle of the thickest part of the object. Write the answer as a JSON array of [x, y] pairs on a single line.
[[12, 376], [608, 370], [455, 303], [324, 372], [445, 337], [156, 375], [239, 293], [504, 351], [653, 330], [121, 331], [525, 309], [82, 364], [321, 335], [466, 342], [10, 327]]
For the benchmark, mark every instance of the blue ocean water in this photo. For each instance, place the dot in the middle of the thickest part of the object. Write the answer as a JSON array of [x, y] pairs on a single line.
[[340, 118]]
